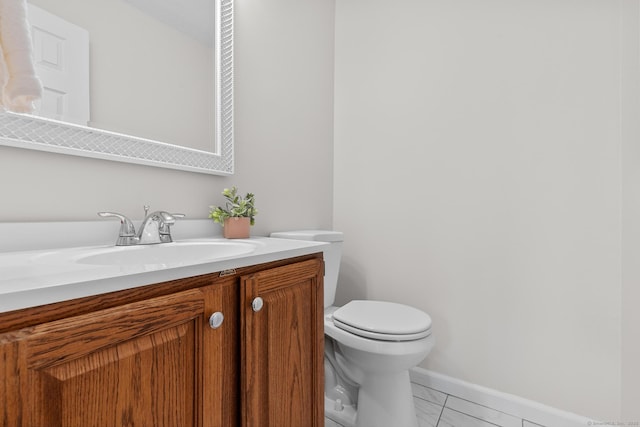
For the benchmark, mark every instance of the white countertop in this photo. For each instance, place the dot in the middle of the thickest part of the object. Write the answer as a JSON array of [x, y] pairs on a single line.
[[33, 278]]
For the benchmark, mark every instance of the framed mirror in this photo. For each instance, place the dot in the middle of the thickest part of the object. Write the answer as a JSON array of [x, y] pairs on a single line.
[[184, 122]]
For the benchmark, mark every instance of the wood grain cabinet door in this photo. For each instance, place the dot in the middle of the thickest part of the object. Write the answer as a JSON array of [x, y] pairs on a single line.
[[137, 365], [282, 343]]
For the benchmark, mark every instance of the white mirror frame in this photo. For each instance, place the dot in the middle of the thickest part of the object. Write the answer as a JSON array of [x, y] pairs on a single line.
[[37, 133]]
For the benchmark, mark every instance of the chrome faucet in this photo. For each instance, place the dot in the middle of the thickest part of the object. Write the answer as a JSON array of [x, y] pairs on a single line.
[[150, 229], [155, 228], [127, 235]]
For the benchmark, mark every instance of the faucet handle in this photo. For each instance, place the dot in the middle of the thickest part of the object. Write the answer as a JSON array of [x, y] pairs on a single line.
[[165, 227], [127, 234]]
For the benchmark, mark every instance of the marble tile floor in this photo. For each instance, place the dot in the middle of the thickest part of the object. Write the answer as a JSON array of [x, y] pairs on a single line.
[[437, 409]]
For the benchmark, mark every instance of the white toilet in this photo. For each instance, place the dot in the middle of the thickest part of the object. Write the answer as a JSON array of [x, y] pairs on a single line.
[[369, 348]]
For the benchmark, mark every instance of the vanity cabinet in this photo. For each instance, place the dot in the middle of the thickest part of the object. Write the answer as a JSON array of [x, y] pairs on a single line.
[[139, 361], [150, 357], [282, 377]]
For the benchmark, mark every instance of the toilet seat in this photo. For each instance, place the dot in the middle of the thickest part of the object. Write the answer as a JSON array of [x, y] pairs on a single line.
[[384, 321]]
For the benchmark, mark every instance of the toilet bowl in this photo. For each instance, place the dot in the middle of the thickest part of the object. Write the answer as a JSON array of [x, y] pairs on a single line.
[[379, 366], [369, 348]]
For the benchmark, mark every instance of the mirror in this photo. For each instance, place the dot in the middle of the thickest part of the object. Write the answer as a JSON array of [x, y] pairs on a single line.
[[174, 109]]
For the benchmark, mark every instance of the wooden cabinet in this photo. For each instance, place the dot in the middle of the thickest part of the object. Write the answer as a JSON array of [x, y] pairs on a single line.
[[108, 367], [150, 357], [282, 352]]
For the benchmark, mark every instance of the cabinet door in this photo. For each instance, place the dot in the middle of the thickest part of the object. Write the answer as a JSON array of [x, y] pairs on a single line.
[[282, 377], [134, 365]]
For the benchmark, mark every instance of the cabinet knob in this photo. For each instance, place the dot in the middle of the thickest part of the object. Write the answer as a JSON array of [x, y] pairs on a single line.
[[216, 319], [257, 304]]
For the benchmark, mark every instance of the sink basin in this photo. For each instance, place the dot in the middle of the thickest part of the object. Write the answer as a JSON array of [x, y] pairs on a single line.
[[165, 253]]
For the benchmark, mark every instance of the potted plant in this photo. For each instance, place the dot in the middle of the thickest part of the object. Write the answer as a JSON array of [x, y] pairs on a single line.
[[237, 215]]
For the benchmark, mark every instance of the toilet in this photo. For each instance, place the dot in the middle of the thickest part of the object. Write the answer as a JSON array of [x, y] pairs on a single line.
[[369, 348]]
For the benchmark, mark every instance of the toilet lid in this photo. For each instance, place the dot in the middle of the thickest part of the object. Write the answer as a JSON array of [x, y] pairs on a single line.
[[382, 320]]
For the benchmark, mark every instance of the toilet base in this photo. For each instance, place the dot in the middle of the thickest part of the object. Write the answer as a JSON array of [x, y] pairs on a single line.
[[345, 415], [386, 400]]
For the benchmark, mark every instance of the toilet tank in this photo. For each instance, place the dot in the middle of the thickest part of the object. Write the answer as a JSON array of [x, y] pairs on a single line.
[[332, 254]]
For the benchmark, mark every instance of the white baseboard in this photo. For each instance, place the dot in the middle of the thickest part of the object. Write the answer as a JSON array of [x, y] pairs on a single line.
[[503, 402]]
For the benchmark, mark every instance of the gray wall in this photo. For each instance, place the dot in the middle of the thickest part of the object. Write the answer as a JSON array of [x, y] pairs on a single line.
[[479, 176], [283, 128]]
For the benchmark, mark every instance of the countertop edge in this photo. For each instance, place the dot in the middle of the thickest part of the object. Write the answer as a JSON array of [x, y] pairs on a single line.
[[34, 297]]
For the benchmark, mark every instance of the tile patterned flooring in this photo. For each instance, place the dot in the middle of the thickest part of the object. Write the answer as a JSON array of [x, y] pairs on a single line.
[[437, 409]]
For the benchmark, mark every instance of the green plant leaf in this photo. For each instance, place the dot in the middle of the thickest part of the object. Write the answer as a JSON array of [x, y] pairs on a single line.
[[235, 206]]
